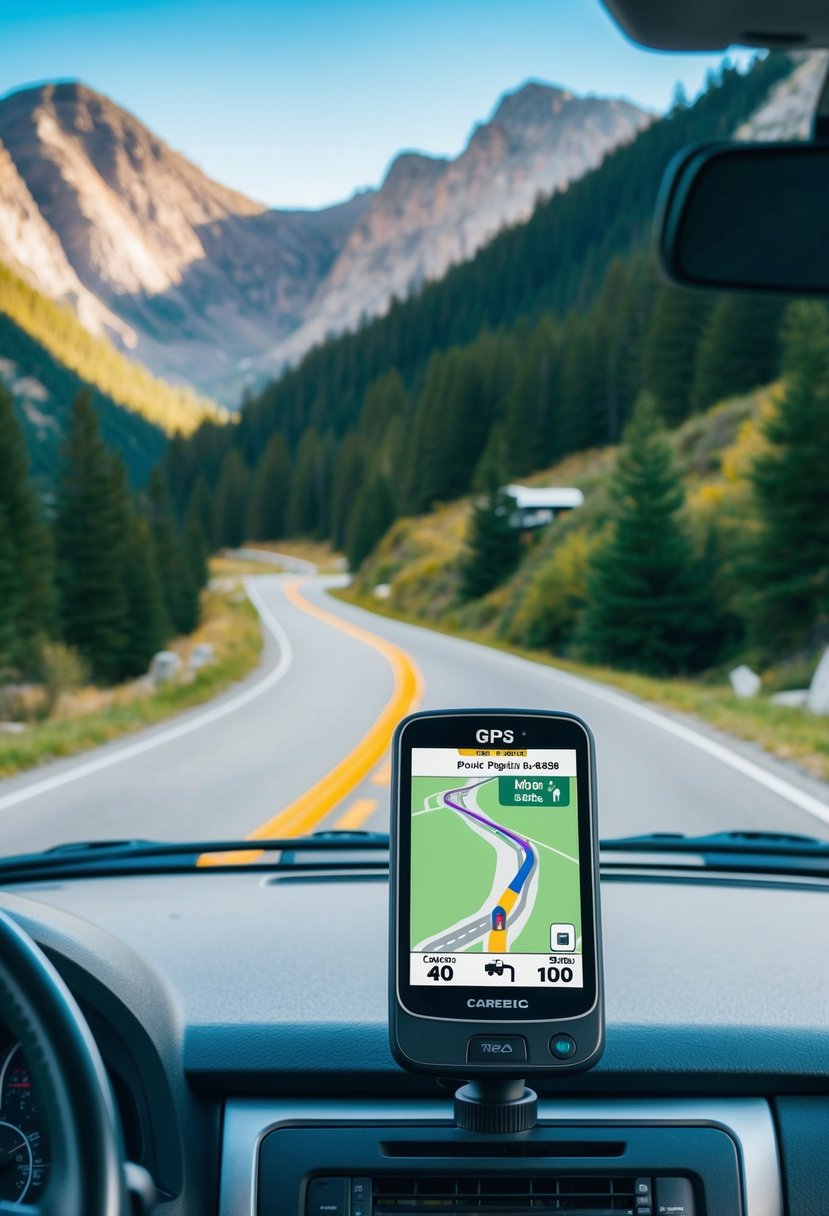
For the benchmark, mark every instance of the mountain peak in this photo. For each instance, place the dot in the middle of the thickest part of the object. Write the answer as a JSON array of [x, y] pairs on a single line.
[[534, 103]]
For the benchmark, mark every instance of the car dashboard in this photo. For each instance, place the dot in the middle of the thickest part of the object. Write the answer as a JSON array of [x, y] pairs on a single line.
[[242, 1017]]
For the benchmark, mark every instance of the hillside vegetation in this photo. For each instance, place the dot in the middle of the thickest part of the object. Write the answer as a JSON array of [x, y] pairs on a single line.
[[95, 585], [43, 391], [421, 557], [535, 349], [540, 610], [98, 363]]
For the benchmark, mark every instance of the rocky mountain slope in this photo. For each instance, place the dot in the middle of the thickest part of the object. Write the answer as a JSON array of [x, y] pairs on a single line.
[[189, 275], [206, 286], [787, 113], [430, 214]]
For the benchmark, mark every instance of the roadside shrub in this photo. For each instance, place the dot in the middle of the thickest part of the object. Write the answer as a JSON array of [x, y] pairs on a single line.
[[61, 671], [549, 610]]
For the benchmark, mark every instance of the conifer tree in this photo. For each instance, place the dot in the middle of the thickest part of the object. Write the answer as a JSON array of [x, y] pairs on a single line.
[[581, 388], [349, 471], [529, 417], [790, 567], [385, 398], [200, 508], [449, 430], [305, 510], [89, 536], [10, 596], [269, 492], [146, 625], [738, 349], [195, 550], [677, 322], [30, 608], [646, 608], [232, 500], [371, 517], [179, 591], [493, 545]]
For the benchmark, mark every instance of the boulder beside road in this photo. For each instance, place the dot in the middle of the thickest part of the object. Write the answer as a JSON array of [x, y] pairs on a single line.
[[817, 700], [745, 683], [164, 666]]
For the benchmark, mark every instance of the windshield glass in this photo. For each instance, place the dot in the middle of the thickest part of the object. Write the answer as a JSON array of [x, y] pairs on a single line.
[[338, 379]]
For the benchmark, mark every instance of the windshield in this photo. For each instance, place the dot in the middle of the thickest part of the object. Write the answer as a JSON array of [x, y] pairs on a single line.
[[338, 379]]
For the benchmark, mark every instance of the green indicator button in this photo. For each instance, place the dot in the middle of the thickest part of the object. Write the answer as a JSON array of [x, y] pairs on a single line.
[[534, 791]]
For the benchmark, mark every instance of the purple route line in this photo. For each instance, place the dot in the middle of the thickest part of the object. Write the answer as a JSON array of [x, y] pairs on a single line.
[[529, 857], [456, 806]]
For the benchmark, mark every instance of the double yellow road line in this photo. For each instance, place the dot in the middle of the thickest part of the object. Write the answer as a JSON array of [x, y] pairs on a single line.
[[307, 811]]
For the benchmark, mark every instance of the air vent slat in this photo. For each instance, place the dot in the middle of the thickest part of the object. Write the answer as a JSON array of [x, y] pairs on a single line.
[[500, 1195]]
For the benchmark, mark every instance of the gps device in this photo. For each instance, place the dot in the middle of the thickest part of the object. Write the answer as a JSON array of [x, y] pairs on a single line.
[[495, 948]]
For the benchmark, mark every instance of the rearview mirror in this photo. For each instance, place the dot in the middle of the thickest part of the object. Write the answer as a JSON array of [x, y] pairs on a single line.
[[750, 217]]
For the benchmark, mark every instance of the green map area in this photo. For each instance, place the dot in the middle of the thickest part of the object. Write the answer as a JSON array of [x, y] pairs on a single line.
[[508, 843]]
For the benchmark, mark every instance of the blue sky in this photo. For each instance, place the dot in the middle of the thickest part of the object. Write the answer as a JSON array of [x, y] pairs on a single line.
[[300, 103]]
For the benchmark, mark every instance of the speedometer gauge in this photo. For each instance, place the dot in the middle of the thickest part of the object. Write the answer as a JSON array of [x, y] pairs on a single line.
[[23, 1150]]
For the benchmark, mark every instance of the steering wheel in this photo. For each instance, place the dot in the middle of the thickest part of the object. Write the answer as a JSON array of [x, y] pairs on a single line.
[[87, 1176]]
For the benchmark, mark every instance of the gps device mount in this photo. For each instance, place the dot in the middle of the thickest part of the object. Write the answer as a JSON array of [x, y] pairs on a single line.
[[494, 846], [497, 1106]]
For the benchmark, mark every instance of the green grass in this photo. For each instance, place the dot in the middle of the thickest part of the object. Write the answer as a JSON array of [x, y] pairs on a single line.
[[788, 733], [439, 839], [230, 623]]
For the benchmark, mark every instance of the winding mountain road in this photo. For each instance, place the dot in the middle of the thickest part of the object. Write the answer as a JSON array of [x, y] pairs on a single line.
[[303, 743]]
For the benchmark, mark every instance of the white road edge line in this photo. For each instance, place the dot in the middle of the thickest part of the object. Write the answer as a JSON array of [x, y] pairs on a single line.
[[566, 856], [777, 785], [183, 728]]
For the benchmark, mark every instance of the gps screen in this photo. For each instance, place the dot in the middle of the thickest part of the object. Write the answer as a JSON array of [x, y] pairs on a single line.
[[495, 868]]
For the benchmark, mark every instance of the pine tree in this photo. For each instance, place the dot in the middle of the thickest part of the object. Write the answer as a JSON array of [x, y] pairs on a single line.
[[529, 417], [146, 628], [449, 430], [89, 535], [493, 546], [646, 609], [269, 492], [200, 508], [30, 607], [349, 471], [738, 349], [232, 500], [790, 567], [386, 398], [371, 517], [581, 388], [678, 319], [10, 597], [195, 550], [305, 508], [179, 590]]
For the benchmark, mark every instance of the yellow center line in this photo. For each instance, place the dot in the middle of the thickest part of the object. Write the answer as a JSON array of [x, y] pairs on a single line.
[[360, 810], [309, 809], [382, 776]]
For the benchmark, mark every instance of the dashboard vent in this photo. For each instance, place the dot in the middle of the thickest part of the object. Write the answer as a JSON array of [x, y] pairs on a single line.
[[594, 1194]]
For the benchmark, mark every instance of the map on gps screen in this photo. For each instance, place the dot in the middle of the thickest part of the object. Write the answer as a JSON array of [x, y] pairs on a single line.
[[495, 863]]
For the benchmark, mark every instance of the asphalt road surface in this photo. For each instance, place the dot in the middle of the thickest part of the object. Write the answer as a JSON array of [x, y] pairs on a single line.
[[303, 744]]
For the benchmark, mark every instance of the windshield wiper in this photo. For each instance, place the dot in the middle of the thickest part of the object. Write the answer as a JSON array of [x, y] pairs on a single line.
[[740, 851], [327, 850]]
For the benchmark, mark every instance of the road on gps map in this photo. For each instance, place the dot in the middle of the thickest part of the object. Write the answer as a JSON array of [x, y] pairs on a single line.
[[478, 926]]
